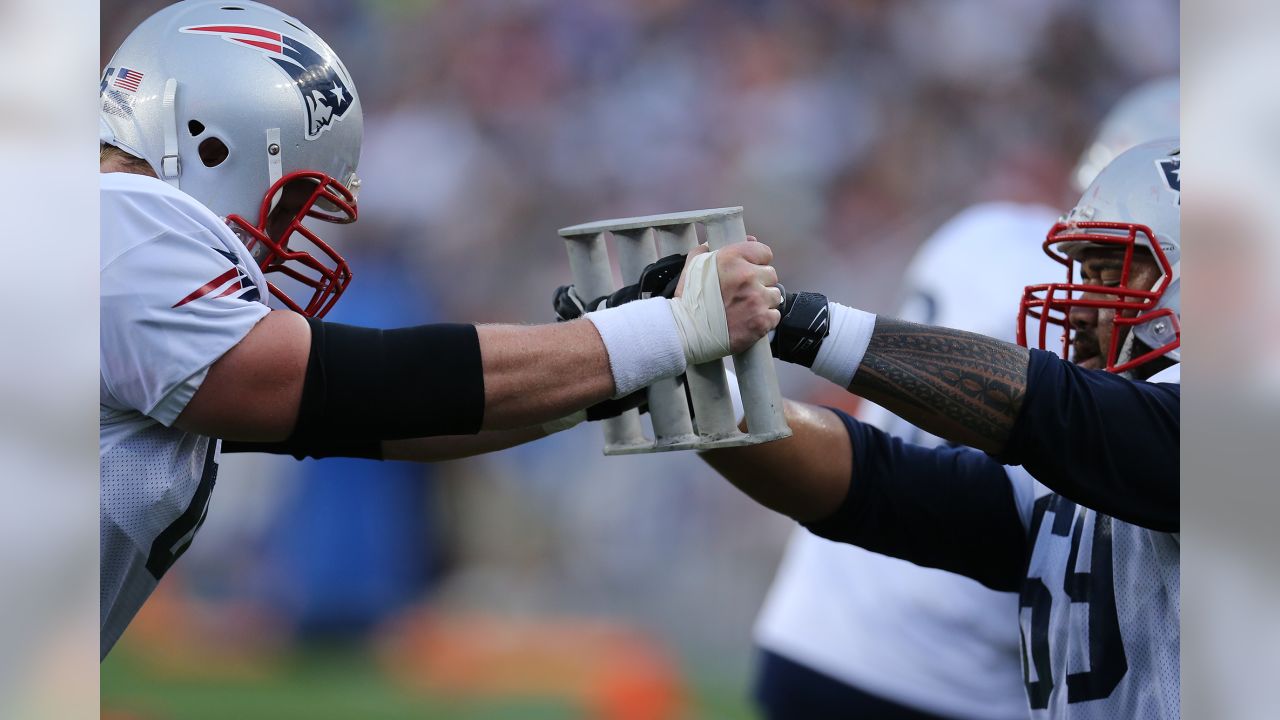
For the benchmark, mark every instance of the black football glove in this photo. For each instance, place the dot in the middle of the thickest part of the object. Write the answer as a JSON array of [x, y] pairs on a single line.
[[612, 408], [658, 279], [806, 322], [569, 306]]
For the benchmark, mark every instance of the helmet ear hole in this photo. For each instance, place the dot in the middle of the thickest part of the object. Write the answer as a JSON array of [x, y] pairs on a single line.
[[213, 152], [195, 127]]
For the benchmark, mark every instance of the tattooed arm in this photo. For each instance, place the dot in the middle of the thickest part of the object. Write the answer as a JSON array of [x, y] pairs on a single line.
[[1094, 437], [958, 385]]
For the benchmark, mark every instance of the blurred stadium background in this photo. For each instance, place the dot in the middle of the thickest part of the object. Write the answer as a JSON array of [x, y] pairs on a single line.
[[548, 581]]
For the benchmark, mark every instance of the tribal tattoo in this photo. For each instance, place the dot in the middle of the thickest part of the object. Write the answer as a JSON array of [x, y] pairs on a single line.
[[961, 386]]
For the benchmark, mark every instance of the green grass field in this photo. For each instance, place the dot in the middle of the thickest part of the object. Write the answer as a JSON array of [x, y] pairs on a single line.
[[338, 683]]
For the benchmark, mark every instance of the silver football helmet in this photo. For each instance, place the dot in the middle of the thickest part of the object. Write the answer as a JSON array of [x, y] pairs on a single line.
[[252, 114], [1135, 202], [1145, 113]]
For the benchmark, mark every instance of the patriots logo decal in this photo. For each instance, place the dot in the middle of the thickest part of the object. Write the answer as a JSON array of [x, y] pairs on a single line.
[[234, 282], [326, 94]]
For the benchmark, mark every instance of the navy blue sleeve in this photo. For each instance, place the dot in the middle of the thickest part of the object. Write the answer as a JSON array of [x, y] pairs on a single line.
[[1103, 441], [951, 508]]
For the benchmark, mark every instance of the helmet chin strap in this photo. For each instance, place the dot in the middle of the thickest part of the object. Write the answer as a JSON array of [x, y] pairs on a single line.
[[1125, 352], [275, 162], [170, 167]]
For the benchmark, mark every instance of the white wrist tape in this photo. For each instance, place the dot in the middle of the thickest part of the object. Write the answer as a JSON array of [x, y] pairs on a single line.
[[841, 352], [699, 312], [643, 342]]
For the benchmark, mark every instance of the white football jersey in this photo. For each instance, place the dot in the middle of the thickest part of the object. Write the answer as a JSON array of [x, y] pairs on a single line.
[[921, 637], [1099, 612], [178, 290]]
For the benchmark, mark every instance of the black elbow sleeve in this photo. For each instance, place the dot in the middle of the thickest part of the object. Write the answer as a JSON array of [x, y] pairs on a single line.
[[367, 385]]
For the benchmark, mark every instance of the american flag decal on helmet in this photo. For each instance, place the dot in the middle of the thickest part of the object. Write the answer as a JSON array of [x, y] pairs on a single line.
[[128, 79], [123, 78], [326, 94]]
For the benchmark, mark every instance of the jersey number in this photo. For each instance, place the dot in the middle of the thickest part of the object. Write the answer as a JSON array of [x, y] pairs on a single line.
[[1096, 589], [174, 540]]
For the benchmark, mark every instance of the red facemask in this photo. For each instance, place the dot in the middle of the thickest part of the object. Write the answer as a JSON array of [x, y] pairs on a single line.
[[1051, 303], [320, 267]]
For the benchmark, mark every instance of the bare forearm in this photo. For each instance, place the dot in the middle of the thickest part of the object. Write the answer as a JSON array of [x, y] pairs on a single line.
[[961, 386], [535, 374], [805, 476], [454, 447]]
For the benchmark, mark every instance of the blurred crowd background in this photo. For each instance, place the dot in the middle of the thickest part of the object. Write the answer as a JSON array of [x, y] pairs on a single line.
[[848, 129]]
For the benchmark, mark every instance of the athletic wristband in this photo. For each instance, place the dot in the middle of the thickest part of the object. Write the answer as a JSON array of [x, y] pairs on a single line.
[[805, 324], [842, 350], [643, 343]]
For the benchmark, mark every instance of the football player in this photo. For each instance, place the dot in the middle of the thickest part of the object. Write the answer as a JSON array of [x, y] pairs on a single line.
[[1092, 549], [845, 631], [227, 128]]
